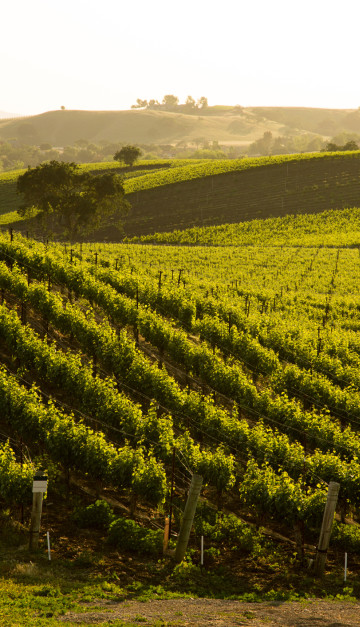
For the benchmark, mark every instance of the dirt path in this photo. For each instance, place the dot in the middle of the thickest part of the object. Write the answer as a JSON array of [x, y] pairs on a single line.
[[214, 612]]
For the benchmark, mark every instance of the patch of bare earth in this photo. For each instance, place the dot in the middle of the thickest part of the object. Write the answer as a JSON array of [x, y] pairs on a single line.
[[220, 613]]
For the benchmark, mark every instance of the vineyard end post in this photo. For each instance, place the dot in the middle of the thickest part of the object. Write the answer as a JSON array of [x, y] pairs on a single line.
[[39, 488], [188, 517], [166, 534], [325, 533]]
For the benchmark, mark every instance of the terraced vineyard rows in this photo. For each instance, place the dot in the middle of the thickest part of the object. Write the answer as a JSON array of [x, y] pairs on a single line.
[[231, 192], [10, 200], [168, 195], [240, 358]]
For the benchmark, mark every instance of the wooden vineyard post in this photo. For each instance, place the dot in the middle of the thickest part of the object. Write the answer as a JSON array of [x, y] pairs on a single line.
[[188, 517], [166, 534], [179, 279], [172, 489], [325, 533], [39, 488]]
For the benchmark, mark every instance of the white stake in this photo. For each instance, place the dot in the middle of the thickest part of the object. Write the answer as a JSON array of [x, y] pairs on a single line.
[[202, 551], [345, 568], [48, 544]]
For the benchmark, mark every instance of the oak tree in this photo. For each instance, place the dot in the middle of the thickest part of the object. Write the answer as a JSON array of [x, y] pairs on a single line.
[[128, 154], [66, 198]]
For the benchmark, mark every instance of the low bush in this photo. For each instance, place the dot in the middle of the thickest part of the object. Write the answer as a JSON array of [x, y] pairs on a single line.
[[99, 515], [228, 528], [346, 537], [127, 534]]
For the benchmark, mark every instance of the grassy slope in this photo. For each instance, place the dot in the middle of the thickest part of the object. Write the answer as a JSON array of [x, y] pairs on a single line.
[[65, 127], [216, 123], [9, 200]]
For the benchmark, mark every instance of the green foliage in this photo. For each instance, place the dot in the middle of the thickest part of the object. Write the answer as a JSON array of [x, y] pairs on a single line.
[[128, 154], [346, 537], [218, 466], [350, 145], [229, 529], [64, 197], [278, 496], [259, 405], [215, 182], [76, 446], [15, 479], [333, 227], [210, 168], [99, 515], [127, 534], [259, 361]]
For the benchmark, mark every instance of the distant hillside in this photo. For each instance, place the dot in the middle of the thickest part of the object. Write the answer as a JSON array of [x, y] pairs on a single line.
[[326, 122], [61, 128], [223, 124]]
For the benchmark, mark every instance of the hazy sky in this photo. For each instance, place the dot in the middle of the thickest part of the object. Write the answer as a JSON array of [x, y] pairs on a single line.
[[103, 55]]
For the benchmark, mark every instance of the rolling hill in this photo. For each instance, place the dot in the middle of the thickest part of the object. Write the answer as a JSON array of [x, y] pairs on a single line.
[[231, 125], [61, 128]]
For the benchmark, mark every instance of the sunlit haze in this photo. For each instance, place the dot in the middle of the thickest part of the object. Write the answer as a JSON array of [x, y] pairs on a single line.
[[83, 54]]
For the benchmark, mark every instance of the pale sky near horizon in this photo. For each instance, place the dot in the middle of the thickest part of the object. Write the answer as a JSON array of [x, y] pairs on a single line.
[[86, 54]]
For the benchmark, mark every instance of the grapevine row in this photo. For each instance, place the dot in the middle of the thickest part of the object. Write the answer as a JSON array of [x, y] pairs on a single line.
[[259, 441]]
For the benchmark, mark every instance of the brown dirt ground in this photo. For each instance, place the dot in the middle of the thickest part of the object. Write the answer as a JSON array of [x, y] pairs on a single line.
[[220, 613]]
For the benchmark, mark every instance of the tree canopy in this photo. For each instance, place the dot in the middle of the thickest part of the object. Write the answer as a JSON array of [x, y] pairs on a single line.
[[171, 103], [332, 147], [77, 202], [128, 154]]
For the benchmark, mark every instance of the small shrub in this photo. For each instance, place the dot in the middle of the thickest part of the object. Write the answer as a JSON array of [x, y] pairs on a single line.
[[230, 529], [86, 559], [46, 591], [346, 537], [126, 534], [99, 515]]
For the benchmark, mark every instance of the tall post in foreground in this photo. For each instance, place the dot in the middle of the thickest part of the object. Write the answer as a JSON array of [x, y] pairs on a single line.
[[172, 490], [188, 517], [39, 488], [166, 535], [326, 527]]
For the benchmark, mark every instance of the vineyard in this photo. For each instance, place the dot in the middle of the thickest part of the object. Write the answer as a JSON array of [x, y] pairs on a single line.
[[130, 367], [10, 200], [179, 194], [235, 191]]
